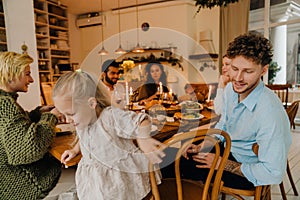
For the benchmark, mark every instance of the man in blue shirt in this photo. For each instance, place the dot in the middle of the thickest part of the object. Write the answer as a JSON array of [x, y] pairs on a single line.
[[251, 113]]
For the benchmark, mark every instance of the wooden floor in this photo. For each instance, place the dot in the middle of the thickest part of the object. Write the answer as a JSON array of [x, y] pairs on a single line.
[[294, 161]]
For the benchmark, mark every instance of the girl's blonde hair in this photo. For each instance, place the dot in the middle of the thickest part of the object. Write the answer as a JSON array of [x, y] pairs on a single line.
[[12, 65], [79, 86]]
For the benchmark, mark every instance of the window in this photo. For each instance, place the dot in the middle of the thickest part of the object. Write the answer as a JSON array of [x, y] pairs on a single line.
[[283, 29]]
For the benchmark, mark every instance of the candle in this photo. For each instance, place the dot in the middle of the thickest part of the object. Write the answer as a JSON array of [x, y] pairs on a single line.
[[130, 91], [160, 88], [126, 93], [170, 92], [209, 92]]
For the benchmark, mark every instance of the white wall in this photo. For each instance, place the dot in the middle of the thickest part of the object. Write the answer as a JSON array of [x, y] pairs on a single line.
[[171, 24], [20, 28]]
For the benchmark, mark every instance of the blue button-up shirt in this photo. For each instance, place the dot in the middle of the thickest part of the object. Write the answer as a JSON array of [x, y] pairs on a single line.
[[260, 118]]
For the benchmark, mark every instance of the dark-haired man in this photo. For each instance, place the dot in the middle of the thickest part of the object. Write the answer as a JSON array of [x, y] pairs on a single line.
[[110, 73]]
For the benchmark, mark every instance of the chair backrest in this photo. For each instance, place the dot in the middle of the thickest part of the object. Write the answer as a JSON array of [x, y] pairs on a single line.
[[188, 138], [292, 111], [282, 91]]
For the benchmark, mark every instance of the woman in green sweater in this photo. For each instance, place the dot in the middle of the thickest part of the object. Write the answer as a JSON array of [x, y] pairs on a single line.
[[27, 170]]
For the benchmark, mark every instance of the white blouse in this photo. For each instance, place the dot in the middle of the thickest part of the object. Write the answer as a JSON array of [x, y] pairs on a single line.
[[112, 167]]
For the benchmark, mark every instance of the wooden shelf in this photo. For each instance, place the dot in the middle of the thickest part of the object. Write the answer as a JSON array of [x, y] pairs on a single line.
[[58, 16], [58, 38], [38, 11], [204, 56], [58, 28], [57, 56], [41, 36]]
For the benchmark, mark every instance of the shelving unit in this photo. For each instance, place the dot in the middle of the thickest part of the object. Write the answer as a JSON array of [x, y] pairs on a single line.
[[3, 44], [52, 36], [163, 55]]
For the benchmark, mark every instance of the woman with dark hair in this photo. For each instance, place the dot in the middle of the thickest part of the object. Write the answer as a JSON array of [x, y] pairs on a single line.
[[154, 75]]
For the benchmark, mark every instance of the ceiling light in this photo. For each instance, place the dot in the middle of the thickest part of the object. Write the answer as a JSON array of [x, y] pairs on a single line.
[[119, 50], [138, 48], [102, 52]]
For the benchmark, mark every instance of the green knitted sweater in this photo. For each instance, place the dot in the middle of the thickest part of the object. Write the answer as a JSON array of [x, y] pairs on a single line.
[[27, 170]]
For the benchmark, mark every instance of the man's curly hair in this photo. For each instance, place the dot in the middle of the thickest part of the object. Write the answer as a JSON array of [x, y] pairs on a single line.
[[252, 46]]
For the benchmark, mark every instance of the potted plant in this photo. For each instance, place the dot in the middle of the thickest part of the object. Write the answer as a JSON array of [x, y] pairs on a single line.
[[273, 69], [212, 3]]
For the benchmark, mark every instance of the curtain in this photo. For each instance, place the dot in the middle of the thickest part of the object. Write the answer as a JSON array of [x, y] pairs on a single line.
[[233, 22]]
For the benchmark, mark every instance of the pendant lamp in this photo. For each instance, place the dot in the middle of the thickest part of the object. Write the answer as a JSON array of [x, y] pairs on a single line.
[[119, 50], [138, 48], [102, 52]]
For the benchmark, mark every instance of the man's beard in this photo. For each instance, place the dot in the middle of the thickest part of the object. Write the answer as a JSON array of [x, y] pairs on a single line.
[[108, 80]]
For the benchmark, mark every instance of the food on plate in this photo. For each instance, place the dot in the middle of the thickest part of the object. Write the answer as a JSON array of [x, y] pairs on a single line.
[[191, 116], [191, 105], [56, 129]]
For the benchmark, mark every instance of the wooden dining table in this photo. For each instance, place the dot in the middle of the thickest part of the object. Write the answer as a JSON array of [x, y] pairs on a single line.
[[163, 131]]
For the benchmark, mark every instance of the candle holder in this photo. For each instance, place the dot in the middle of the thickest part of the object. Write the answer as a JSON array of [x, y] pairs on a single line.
[[129, 106]]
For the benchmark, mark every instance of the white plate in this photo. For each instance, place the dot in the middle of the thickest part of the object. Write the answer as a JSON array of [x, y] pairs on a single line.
[[192, 102], [190, 119], [153, 128], [66, 127]]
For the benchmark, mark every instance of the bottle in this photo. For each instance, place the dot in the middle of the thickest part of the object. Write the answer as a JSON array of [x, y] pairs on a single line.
[[56, 70]]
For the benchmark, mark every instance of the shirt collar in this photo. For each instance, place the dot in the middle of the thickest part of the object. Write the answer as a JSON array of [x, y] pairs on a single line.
[[251, 100]]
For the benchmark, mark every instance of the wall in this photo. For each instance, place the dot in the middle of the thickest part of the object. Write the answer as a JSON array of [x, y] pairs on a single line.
[[23, 23], [171, 24]]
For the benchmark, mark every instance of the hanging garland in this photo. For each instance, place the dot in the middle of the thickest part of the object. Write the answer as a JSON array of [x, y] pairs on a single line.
[[212, 3]]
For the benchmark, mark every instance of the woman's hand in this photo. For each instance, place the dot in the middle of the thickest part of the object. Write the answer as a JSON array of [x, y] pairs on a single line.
[[46, 108], [59, 115], [205, 160], [223, 80], [152, 149]]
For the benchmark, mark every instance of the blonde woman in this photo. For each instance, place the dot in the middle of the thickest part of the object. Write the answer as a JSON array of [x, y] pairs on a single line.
[[27, 170]]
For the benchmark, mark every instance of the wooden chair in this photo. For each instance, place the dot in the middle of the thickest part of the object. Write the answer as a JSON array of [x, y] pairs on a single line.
[[282, 90], [259, 192], [291, 111], [177, 188]]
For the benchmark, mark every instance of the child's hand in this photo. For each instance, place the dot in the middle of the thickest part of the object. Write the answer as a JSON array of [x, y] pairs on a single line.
[[152, 149], [68, 155]]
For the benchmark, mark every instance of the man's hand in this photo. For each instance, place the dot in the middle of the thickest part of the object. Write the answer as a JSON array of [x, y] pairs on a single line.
[[205, 160], [191, 149]]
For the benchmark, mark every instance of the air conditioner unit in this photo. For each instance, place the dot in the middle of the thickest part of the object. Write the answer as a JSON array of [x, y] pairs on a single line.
[[89, 21]]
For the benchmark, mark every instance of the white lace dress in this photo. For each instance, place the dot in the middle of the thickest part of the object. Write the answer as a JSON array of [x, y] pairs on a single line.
[[112, 167]]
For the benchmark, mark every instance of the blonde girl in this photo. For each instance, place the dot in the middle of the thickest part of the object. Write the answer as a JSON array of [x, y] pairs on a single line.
[[112, 166]]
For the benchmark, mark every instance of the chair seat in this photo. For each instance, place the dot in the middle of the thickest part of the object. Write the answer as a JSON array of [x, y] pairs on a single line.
[[192, 190]]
